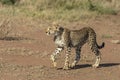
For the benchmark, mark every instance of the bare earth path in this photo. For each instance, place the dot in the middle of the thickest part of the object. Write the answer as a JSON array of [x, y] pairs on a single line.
[[28, 59]]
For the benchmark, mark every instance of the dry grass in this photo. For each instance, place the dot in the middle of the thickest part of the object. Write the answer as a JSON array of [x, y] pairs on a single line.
[[38, 13], [5, 28], [72, 10]]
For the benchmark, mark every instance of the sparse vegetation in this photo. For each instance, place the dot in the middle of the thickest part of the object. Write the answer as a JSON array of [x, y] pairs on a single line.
[[106, 36], [72, 10], [55, 10], [9, 2], [5, 28]]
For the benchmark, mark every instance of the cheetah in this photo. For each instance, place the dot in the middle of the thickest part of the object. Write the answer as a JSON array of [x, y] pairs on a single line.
[[67, 39]]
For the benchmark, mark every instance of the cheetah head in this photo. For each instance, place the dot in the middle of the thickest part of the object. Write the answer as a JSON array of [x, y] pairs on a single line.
[[55, 29]]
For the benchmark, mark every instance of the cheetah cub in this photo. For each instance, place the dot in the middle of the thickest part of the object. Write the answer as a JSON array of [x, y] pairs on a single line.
[[67, 39]]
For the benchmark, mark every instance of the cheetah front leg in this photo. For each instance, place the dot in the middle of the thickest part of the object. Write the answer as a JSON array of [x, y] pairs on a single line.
[[66, 65], [54, 55]]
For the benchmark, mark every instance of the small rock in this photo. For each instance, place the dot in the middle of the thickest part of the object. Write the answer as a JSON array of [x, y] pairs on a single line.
[[115, 41]]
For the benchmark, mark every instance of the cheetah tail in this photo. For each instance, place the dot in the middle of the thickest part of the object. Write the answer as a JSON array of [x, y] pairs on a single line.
[[101, 46]]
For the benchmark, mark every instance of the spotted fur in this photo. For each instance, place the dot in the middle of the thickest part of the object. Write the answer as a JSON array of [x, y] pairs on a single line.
[[65, 38]]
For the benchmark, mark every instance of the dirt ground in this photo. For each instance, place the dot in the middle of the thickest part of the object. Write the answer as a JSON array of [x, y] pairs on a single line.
[[27, 58]]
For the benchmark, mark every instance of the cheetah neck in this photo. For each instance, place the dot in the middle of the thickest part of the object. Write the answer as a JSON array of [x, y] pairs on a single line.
[[58, 39], [58, 35]]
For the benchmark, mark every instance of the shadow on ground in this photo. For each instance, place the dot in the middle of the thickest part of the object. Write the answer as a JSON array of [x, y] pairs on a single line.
[[109, 64], [14, 38], [101, 65], [88, 65]]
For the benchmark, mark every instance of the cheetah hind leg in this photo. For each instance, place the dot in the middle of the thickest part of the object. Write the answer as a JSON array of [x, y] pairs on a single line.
[[97, 62], [98, 57], [77, 57], [96, 51]]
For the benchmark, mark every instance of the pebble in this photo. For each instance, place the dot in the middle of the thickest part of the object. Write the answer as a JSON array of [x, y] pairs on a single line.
[[115, 41]]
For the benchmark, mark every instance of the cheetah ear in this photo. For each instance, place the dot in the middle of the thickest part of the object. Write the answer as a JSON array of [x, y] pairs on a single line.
[[61, 28], [55, 24]]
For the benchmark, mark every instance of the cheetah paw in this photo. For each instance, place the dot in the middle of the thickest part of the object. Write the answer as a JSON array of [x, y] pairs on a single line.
[[95, 65], [66, 68]]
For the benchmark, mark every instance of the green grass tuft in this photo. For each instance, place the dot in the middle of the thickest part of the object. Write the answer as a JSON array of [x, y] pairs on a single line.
[[107, 36], [8, 2]]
